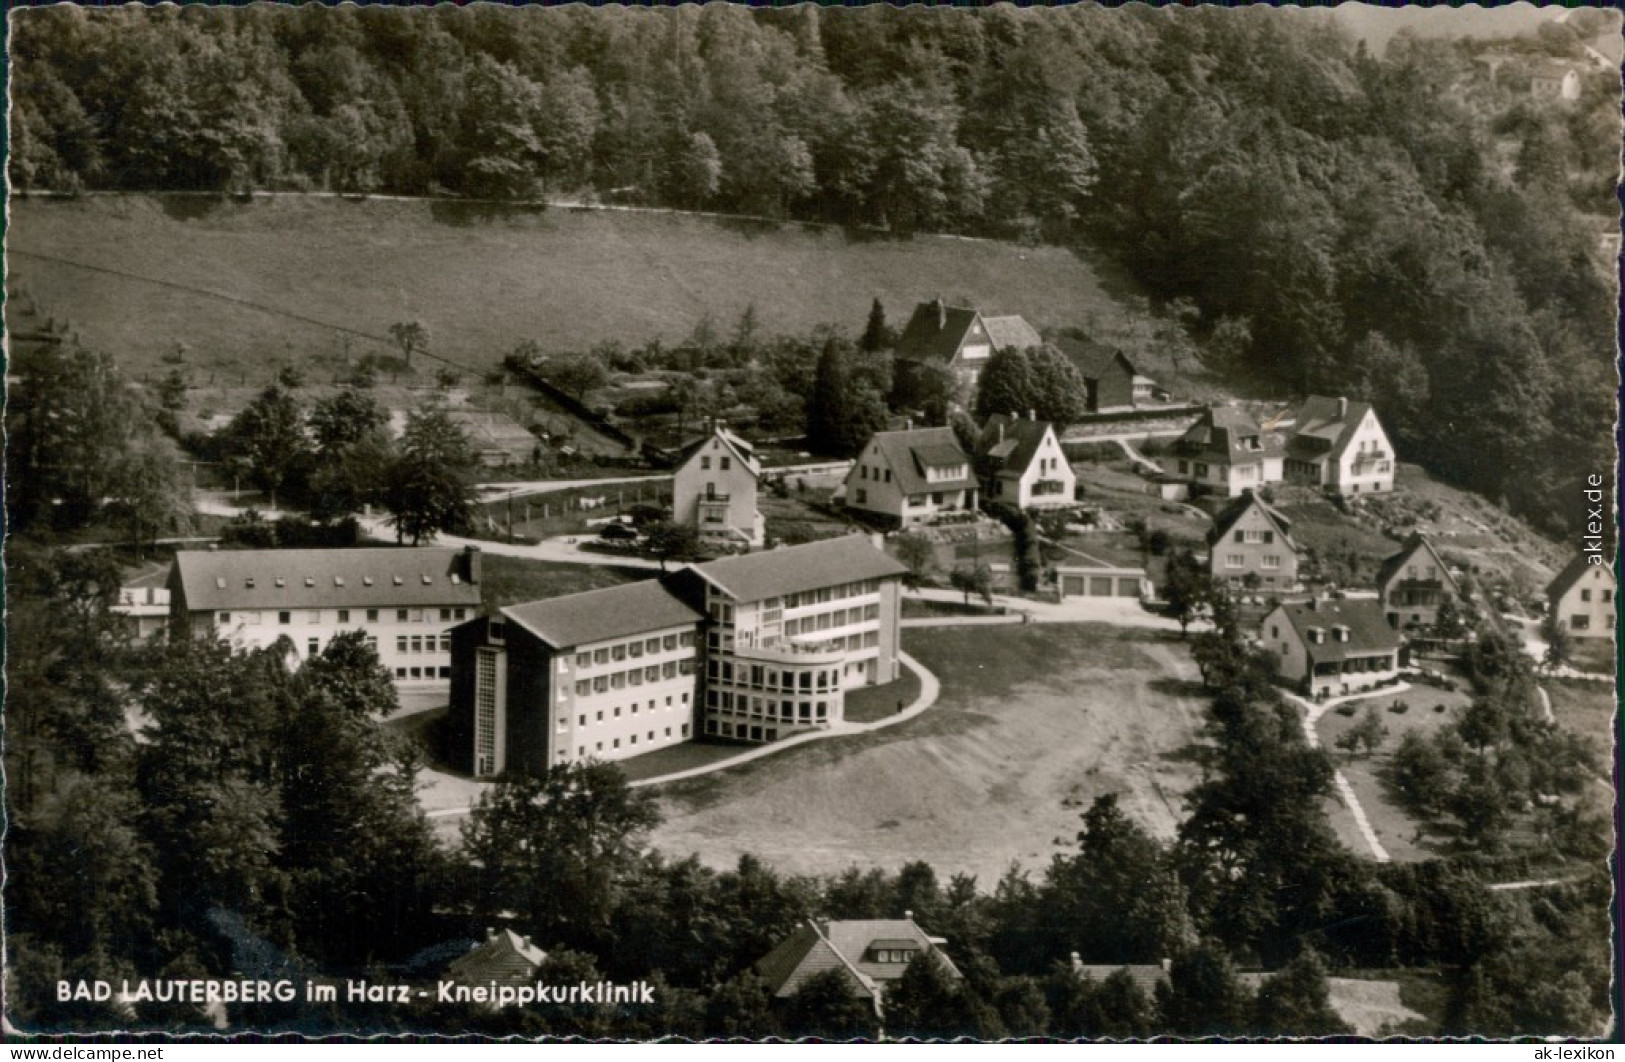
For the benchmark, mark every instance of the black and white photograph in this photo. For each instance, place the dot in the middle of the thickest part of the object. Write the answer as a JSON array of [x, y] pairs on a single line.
[[867, 523]]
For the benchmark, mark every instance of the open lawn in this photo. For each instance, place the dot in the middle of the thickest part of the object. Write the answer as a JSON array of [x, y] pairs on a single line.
[[255, 285], [1033, 723], [510, 580], [1393, 826]]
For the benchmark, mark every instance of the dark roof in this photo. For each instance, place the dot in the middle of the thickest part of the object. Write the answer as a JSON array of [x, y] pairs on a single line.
[[1395, 564], [1008, 444], [935, 332], [1318, 428], [1572, 574], [1011, 332], [1369, 631], [1218, 434], [848, 945], [1096, 360], [323, 578], [792, 569], [1235, 510], [744, 451], [594, 615], [505, 957], [910, 453]]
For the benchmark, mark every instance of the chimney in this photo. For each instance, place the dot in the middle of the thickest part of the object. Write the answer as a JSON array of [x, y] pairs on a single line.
[[942, 312], [908, 424], [1342, 408], [1077, 961], [1032, 414], [490, 933], [1001, 431], [471, 565], [1167, 964], [1314, 603], [909, 915]]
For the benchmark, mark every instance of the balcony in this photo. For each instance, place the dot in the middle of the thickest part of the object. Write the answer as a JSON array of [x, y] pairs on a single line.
[[799, 654]]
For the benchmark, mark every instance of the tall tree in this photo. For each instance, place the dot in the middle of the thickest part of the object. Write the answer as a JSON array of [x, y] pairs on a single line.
[[429, 489], [843, 410]]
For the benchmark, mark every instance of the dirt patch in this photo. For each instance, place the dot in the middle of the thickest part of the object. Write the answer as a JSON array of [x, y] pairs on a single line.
[[1033, 723]]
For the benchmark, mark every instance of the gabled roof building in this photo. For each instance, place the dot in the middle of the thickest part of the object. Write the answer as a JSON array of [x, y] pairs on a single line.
[[714, 490], [1021, 463], [1413, 583], [1339, 446], [961, 340], [1226, 452], [406, 600], [1251, 545], [1581, 598], [910, 476], [871, 954], [1111, 381], [1329, 648]]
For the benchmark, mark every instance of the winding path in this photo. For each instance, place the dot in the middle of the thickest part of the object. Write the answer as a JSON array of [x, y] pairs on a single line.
[[1311, 714]]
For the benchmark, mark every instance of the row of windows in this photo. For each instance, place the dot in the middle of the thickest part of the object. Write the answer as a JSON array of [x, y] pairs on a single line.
[[635, 677], [1607, 595], [749, 733], [615, 712], [824, 621], [828, 593], [422, 672], [865, 472], [615, 743], [1239, 560], [311, 616], [787, 711], [1265, 537], [759, 677], [723, 463], [1581, 622], [614, 653], [421, 643]]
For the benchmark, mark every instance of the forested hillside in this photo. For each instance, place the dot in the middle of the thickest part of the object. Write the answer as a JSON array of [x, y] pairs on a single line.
[[1415, 229]]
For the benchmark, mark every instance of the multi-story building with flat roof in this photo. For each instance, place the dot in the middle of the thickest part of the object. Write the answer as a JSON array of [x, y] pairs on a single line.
[[751, 648], [406, 600]]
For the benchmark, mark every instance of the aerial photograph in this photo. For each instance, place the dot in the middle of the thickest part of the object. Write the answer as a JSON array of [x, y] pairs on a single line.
[[847, 523]]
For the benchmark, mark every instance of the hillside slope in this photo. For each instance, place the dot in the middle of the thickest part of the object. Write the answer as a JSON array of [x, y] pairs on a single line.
[[565, 278]]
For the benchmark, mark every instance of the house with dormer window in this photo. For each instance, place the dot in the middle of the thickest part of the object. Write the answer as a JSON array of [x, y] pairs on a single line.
[[714, 491], [871, 954], [1327, 648], [1339, 446], [1227, 452], [906, 477], [1582, 598], [1020, 462], [1413, 583]]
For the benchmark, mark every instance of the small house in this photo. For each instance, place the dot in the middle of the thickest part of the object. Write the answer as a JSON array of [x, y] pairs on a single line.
[[907, 477], [714, 491], [1251, 546], [1326, 648], [1339, 446], [1582, 598], [961, 340], [1020, 462], [1413, 583], [872, 954], [1226, 452]]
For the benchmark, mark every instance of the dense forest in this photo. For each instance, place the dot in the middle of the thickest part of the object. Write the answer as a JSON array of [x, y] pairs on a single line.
[[1415, 229], [190, 810]]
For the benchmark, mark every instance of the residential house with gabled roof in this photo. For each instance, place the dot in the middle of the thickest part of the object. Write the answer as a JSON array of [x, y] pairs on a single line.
[[1021, 463], [714, 490], [1339, 446], [503, 960], [960, 340], [1226, 452], [871, 954], [604, 674], [750, 648], [1326, 648], [1413, 583], [910, 476], [1554, 81], [1581, 598], [1111, 381], [1251, 546], [405, 600]]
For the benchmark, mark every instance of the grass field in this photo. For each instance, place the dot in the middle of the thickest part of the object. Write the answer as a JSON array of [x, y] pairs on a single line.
[[482, 281], [1392, 825], [1033, 723]]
